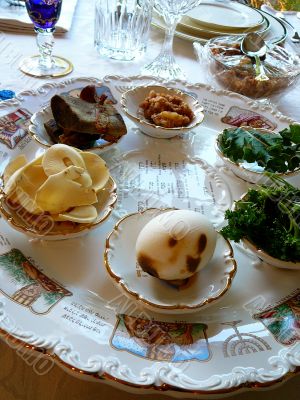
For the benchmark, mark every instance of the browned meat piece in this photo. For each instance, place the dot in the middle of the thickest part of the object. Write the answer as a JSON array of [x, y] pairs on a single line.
[[88, 94], [74, 114], [81, 141], [53, 130]]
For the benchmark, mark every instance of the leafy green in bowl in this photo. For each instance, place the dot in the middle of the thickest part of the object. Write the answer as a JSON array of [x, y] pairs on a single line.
[[269, 219], [250, 152]]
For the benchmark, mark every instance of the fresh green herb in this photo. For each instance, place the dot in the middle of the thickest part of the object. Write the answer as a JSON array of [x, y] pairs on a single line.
[[269, 217], [275, 152]]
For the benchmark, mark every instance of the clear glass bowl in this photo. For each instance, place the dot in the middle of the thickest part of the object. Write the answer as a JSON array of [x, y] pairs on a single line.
[[236, 72]]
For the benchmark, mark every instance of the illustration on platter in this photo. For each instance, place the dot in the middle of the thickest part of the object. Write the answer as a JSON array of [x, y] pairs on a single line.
[[14, 127], [237, 116], [283, 319], [239, 344], [23, 283], [161, 341]]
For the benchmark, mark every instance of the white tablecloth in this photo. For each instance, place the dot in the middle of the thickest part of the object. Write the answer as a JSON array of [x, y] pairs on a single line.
[[77, 46]]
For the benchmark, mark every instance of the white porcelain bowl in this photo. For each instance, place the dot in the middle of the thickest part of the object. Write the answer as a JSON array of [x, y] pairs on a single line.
[[43, 227], [276, 262], [263, 255], [39, 134], [250, 172], [207, 286], [132, 99]]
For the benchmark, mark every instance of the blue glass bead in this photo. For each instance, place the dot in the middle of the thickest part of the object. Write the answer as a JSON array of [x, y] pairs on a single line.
[[6, 94]]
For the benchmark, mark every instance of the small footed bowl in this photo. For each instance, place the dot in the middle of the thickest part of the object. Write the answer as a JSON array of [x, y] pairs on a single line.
[[132, 99], [43, 227], [205, 287], [251, 172], [39, 134]]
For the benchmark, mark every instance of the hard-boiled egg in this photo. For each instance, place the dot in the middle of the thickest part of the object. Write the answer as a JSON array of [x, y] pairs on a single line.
[[175, 245]]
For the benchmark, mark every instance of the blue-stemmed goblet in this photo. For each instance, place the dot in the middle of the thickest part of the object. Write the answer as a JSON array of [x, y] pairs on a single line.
[[44, 14]]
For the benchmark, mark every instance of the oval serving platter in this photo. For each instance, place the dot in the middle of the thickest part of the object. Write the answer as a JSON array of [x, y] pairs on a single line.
[[57, 297]]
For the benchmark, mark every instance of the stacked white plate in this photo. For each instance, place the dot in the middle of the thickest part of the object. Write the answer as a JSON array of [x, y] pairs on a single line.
[[214, 18]]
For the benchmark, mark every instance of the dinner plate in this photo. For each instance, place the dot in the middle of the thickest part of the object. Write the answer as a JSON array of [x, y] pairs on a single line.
[[275, 34], [57, 299], [216, 14], [205, 288], [187, 24]]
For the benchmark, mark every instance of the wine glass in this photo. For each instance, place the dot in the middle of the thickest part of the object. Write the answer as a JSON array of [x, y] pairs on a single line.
[[164, 65], [44, 14]]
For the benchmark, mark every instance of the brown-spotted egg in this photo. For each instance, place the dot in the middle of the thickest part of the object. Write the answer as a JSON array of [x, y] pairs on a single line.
[[175, 245]]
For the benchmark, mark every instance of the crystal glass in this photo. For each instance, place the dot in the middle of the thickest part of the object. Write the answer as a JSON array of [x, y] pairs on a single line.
[[122, 27], [164, 64], [44, 14]]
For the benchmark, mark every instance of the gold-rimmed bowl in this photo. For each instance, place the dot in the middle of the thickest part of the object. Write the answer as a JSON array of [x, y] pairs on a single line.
[[262, 254], [268, 259], [42, 226], [250, 172], [38, 132], [205, 288], [131, 100]]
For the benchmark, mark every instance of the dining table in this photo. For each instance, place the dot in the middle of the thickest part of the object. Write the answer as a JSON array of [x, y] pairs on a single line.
[[18, 380]]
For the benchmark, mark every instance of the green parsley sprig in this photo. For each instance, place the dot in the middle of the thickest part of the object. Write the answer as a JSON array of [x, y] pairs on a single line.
[[270, 218]]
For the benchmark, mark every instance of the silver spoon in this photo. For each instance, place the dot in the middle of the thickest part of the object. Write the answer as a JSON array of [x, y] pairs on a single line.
[[255, 47]]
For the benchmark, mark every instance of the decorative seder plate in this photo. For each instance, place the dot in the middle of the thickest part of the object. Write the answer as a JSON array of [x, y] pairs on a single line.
[[206, 287], [56, 296]]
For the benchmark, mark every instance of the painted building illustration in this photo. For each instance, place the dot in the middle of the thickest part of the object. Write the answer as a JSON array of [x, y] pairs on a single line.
[[161, 341], [23, 283]]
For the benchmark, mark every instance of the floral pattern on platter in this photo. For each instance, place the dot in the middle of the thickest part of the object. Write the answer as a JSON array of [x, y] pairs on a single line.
[[161, 341], [26, 285], [283, 319]]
